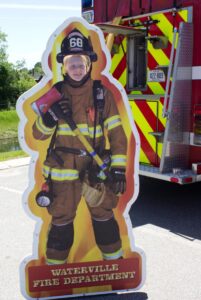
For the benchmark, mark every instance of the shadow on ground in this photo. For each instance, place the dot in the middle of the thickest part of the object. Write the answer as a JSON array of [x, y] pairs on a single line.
[[170, 206], [127, 296]]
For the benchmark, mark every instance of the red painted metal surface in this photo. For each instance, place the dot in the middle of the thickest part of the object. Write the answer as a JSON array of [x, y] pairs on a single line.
[[106, 10]]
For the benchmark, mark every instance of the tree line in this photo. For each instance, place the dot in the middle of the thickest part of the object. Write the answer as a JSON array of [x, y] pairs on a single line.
[[15, 79]]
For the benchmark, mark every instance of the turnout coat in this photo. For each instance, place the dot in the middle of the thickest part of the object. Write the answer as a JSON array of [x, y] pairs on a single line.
[[82, 104], [66, 180]]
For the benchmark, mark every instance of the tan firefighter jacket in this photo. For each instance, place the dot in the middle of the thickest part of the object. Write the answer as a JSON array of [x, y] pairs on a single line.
[[81, 100]]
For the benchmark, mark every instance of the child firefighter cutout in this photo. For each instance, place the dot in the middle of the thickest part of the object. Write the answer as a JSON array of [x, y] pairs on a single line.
[[87, 144], [89, 106]]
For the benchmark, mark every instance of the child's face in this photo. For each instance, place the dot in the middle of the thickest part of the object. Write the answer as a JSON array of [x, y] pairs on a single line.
[[75, 67]]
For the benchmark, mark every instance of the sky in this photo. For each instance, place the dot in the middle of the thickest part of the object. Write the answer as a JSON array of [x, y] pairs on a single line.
[[28, 25]]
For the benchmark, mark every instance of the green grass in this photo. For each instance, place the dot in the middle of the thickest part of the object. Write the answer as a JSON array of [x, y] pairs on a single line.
[[8, 123], [11, 155], [9, 129]]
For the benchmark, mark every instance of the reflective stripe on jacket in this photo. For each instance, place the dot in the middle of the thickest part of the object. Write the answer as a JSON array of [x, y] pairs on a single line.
[[60, 175], [81, 101]]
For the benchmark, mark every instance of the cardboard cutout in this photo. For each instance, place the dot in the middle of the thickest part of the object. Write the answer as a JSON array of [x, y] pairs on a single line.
[[83, 242]]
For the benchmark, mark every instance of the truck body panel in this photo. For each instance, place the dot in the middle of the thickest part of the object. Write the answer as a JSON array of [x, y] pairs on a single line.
[[156, 57]]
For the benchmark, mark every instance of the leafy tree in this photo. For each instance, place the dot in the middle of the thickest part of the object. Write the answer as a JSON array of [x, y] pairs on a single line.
[[6, 75], [6, 89], [20, 64], [24, 81], [14, 79], [37, 71], [3, 47]]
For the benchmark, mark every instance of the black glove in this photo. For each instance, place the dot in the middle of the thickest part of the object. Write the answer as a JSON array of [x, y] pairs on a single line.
[[58, 110], [49, 120], [62, 109], [118, 179]]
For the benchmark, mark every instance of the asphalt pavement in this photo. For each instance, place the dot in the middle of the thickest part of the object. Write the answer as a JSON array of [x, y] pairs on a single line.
[[166, 221]]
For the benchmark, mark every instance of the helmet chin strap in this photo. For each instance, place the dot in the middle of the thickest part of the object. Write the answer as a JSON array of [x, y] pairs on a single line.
[[75, 83]]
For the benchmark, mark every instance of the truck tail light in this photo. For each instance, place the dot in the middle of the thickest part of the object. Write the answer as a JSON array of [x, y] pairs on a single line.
[[198, 169], [174, 179], [187, 180], [183, 180], [197, 125]]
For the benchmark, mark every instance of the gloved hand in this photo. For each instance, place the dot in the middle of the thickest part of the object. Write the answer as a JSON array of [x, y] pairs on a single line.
[[118, 180], [49, 120], [62, 109]]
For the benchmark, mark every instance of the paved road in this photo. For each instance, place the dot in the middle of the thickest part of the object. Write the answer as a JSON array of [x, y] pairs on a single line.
[[166, 223]]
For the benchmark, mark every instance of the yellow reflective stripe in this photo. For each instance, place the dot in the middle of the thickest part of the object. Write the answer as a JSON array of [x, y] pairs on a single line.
[[99, 131], [162, 120], [158, 55], [83, 129], [143, 158], [136, 93], [160, 114], [60, 174], [64, 129], [42, 128], [112, 122], [165, 26], [144, 125], [118, 57], [55, 261], [123, 77], [184, 14], [160, 149], [156, 88], [114, 255], [118, 160]]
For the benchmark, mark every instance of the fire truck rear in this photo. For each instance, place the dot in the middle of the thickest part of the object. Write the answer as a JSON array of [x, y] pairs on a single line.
[[156, 55]]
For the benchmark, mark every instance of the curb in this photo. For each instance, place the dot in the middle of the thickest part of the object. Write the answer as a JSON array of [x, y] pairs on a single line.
[[13, 163]]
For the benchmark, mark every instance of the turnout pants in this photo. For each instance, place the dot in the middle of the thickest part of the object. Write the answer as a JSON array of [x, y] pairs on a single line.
[[67, 196]]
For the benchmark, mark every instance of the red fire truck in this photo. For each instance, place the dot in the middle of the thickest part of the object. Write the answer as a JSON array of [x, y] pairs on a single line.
[[156, 55]]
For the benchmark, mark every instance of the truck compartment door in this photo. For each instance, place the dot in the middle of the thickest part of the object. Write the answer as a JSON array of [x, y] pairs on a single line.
[[146, 115], [177, 134]]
